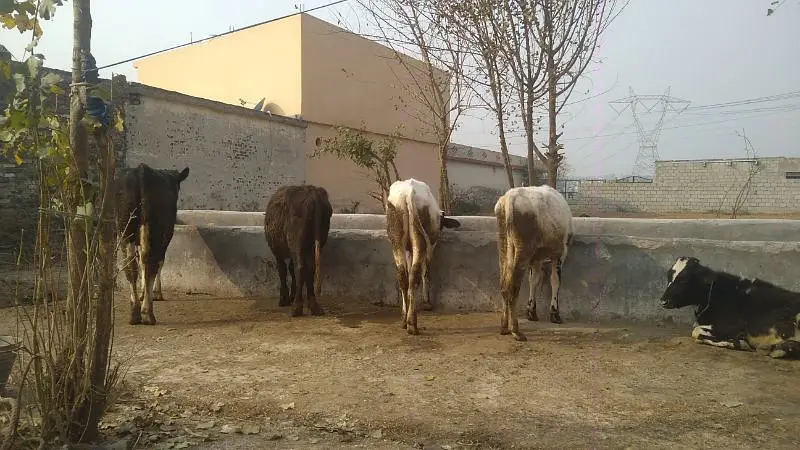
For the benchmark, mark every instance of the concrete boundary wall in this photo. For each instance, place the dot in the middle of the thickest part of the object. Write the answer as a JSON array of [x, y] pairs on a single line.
[[718, 229], [604, 277]]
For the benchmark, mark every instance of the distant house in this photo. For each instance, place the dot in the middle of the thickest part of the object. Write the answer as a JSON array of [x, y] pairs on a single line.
[[306, 68]]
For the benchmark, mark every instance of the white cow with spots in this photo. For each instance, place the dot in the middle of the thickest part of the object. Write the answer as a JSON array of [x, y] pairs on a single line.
[[534, 226], [413, 224]]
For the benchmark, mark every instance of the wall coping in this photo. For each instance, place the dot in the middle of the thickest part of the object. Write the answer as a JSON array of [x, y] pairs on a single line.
[[226, 108]]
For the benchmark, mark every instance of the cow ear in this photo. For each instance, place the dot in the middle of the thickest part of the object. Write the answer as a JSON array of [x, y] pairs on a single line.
[[693, 261], [184, 173]]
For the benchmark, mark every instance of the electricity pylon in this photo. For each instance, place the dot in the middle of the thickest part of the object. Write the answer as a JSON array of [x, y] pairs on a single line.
[[648, 137]]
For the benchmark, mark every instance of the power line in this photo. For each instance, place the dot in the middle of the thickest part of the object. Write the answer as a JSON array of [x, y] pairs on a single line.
[[327, 5]]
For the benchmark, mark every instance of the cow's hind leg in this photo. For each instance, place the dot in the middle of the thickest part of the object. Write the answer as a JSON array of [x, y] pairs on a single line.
[[414, 282], [555, 286], [158, 294], [534, 275], [402, 280], [311, 298], [300, 279], [786, 348], [132, 274], [285, 299], [516, 283], [427, 305], [514, 273], [149, 269]]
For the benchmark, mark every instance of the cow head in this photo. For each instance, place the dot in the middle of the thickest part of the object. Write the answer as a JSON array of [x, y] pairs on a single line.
[[686, 284], [448, 222], [176, 178]]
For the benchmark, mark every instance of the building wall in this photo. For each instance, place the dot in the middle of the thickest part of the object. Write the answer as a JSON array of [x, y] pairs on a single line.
[[352, 81], [695, 186], [262, 61], [236, 157], [347, 183]]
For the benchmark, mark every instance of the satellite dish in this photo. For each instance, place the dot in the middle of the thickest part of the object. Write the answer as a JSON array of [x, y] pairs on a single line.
[[260, 104], [274, 109]]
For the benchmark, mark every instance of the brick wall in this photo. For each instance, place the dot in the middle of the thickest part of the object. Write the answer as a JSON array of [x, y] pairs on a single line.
[[19, 200], [702, 187], [237, 157]]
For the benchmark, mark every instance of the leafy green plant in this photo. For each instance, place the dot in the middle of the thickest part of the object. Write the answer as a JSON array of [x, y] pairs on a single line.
[[377, 158]]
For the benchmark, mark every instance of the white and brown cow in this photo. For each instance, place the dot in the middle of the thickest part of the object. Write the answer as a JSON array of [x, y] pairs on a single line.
[[534, 225], [147, 207], [734, 312], [413, 224]]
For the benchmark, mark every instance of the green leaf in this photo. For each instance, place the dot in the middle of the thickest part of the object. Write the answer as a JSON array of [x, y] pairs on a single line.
[[47, 9], [119, 122], [34, 64], [34, 42], [19, 79]]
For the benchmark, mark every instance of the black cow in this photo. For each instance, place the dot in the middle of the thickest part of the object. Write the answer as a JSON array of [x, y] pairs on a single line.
[[734, 312], [296, 226], [147, 207]]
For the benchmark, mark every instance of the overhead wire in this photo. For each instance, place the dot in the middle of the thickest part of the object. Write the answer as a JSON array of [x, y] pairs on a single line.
[[236, 30]]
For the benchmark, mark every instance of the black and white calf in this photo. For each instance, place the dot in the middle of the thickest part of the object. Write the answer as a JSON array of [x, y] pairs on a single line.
[[734, 312]]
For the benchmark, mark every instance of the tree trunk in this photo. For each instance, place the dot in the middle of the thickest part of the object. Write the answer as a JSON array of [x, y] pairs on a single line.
[[553, 159], [445, 201], [76, 233], [106, 277]]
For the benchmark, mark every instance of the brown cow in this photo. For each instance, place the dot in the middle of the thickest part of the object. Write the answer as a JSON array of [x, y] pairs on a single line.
[[296, 226], [413, 224]]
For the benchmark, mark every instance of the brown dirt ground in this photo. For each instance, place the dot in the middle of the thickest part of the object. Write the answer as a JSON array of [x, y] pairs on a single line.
[[356, 379]]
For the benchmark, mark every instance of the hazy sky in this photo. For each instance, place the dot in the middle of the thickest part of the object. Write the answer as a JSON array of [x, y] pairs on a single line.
[[708, 51]]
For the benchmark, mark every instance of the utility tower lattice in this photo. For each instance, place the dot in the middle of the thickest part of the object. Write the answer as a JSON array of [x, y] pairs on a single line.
[[648, 137]]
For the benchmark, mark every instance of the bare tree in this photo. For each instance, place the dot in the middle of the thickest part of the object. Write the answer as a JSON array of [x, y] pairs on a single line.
[[545, 47], [568, 32], [435, 81], [478, 22]]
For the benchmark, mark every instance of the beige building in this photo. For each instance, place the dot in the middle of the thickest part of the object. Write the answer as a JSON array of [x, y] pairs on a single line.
[[309, 69]]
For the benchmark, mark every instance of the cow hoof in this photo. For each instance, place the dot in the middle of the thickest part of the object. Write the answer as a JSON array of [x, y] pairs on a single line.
[[158, 299], [135, 320], [284, 302], [297, 312], [504, 331], [555, 318], [404, 326], [150, 320], [412, 330], [532, 316], [519, 336]]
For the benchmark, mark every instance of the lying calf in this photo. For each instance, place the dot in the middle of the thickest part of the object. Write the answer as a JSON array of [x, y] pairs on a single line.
[[735, 312]]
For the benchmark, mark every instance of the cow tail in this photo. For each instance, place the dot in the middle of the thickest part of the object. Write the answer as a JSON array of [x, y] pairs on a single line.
[[416, 222], [317, 249], [144, 221]]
